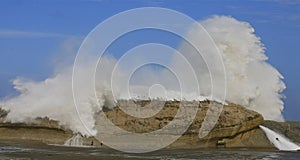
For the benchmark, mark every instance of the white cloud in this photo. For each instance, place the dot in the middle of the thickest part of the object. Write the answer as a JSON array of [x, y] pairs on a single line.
[[29, 34]]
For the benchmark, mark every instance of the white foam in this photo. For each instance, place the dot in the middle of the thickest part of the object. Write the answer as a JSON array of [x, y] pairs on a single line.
[[279, 141], [75, 141]]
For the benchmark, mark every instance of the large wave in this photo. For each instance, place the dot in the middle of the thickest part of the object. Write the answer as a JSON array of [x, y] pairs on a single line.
[[251, 81]]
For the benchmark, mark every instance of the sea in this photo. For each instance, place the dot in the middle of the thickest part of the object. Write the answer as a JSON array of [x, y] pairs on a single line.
[[19, 150]]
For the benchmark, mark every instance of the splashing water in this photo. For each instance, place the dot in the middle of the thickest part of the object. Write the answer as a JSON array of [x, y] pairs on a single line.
[[279, 141], [251, 81], [75, 141]]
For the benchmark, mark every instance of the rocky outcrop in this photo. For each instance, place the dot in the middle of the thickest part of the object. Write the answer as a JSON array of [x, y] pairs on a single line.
[[41, 129], [237, 126]]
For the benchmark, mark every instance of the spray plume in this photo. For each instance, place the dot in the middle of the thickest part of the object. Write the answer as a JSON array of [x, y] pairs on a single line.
[[251, 81]]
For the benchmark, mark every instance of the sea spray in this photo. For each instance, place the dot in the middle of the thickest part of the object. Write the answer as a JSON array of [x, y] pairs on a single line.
[[279, 141], [251, 81], [75, 141]]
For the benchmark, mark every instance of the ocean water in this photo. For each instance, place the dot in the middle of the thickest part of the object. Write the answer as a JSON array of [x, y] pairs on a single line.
[[35, 151]]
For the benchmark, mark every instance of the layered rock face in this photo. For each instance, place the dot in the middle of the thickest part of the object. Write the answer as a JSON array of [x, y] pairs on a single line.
[[42, 130], [236, 125]]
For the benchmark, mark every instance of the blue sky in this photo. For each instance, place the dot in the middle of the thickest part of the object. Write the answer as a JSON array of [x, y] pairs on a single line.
[[34, 35]]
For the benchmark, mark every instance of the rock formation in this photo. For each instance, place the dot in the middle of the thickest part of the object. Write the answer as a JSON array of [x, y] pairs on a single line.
[[237, 126]]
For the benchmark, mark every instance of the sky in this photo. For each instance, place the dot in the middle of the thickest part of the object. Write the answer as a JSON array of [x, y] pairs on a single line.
[[38, 36]]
